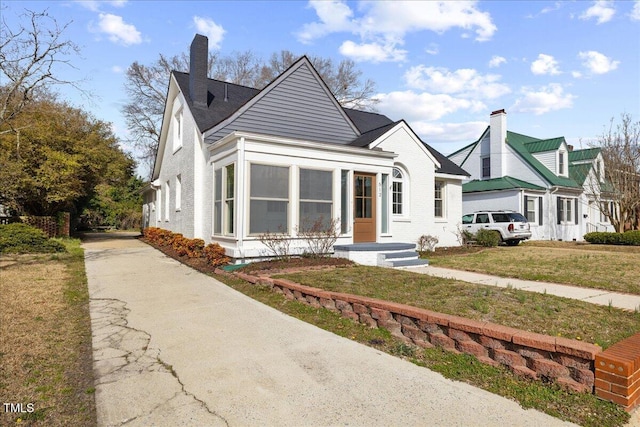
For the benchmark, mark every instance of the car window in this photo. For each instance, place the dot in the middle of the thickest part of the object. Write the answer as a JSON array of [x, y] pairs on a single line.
[[500, 217], [482, 219], [516, 217], [467, 219]]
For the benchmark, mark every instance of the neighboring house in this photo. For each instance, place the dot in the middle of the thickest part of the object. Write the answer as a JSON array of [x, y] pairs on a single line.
[[555, 187], [235, 162]]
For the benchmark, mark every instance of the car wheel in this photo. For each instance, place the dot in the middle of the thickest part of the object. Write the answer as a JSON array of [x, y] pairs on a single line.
[[513, 242]]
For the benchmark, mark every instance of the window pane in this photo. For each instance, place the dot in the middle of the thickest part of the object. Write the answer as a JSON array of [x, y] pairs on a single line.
[[397, 173], [367, 186], [367, 208], [359, 186], [230, 181], [270, 182], [316, 185], [229, 217], [358, 205], [218, 185], [267, 215], [311, 212], [217, 218], [438, 208]]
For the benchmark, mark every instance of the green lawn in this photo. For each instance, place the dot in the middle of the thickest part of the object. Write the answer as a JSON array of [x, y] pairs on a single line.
[[613, 268]]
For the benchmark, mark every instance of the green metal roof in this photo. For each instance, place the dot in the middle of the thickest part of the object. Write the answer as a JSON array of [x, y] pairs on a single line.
[[518, 143], [582, 155], [580, 172], [495, 184], [544, 145]]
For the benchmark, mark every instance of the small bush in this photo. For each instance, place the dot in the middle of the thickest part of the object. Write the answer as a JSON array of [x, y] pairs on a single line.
[[427, 242], [22, 238], [487, 238], [215, 255], [605, 238]]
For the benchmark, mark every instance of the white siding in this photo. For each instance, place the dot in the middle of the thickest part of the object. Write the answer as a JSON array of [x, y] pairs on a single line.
[[549, 159]]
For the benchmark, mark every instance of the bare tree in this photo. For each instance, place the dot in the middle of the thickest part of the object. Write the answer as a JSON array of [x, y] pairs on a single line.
[[29, 59], [618, 195], [146, 86]]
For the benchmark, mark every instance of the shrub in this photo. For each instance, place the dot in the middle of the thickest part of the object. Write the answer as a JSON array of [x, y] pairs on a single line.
[[215, 255], [487, 238], [320, 235], [427, 242], [22, 238], [606, 238]]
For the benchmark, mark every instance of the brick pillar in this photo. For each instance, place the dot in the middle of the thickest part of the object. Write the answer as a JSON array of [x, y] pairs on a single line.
[[618, 373]]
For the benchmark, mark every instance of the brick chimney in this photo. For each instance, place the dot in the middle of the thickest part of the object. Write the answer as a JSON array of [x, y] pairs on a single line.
[[198, 57], [498, 143]]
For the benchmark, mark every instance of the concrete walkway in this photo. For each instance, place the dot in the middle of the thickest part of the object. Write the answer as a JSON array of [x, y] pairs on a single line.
[[173, 347], [595, 296]]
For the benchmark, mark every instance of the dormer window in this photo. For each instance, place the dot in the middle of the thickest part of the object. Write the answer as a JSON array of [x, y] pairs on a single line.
[[486, 167], [561, 163]]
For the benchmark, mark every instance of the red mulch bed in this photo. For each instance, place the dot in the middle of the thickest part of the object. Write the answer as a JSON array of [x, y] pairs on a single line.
[[262, 267]]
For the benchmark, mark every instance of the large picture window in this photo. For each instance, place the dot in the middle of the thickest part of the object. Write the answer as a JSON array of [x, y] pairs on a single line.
[[229, 199], [269, 199], [316, 198]]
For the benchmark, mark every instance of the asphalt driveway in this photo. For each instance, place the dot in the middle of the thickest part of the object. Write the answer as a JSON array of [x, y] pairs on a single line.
[[174, 347]]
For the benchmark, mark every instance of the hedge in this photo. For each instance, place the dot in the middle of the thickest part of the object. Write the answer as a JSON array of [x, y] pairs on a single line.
[[184, 246], [22, 238], [607, 238]]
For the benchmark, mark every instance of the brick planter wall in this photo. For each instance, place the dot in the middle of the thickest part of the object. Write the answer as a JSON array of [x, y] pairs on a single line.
[[567, 362], [617, 376]]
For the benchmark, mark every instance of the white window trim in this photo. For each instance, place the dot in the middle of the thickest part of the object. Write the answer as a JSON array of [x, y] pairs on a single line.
[[225, 200], [167, 200], [563, 166], [178, 192], [248, 198], [405, 193], [443, 197], [482, 159]]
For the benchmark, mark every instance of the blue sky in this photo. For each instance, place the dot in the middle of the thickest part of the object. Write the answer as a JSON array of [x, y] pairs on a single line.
[[560, 68]]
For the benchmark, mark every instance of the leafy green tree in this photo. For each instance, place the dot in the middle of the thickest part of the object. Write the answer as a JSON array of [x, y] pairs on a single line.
[[59, 159]]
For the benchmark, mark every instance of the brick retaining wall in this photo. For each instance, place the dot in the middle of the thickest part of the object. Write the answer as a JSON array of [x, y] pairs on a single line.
[[569, 363]]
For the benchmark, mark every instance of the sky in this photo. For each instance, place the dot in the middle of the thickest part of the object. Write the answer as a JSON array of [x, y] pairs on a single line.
[[558, 68]]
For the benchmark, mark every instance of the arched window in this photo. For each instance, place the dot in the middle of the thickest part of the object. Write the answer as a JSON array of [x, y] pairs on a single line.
[[397, 184]]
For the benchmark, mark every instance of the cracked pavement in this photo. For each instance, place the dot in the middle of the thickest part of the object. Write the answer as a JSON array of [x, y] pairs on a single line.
[[173, 347]]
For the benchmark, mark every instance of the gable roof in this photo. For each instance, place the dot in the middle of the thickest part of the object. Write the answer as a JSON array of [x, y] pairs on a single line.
[[495, 184], [518, 143], [218, 109], [584, 155], [226, 101], [542, 145]]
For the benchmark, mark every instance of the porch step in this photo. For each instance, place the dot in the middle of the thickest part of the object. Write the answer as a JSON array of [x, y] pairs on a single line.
[[400, 259], [381, 254]]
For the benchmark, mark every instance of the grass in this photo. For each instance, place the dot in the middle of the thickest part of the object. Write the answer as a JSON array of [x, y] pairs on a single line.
[[45, 351], [580, 408], [534, 312], [612, 268]]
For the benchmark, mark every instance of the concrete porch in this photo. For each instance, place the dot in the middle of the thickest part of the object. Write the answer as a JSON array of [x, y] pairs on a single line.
[[381, 254]]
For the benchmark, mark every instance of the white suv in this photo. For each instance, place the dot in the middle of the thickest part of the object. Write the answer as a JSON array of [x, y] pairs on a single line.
[[512, 226]]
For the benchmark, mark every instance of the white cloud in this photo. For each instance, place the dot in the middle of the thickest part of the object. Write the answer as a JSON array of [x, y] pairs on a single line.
[[635, 12], [602, 10], [94, 5], [433, 49], [447, 132], [213, 31], [545, 64], [117, 69], [373, 52], [414, 106], [496, 61], [118, 30], [546, 99], [576, 74], [465, 82], [386, 23], [597, 63]]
